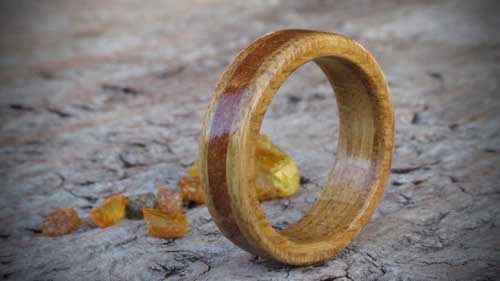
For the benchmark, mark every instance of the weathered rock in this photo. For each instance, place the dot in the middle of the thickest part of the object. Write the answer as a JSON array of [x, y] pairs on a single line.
[[107, 97], [136, 202]]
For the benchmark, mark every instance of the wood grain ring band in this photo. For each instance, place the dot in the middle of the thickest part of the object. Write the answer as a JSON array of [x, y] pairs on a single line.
[[363, 158]]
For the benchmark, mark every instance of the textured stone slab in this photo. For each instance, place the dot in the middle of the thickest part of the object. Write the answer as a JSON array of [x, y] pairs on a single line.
[[107, 97]]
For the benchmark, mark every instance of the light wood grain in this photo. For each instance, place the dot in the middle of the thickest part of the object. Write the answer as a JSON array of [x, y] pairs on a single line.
[[362, 165]]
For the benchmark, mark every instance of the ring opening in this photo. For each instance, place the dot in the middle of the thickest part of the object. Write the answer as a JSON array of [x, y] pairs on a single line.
[[352, 178], [302, 121]]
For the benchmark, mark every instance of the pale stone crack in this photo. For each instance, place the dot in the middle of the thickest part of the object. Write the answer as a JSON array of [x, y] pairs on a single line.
[[62, 183], [413, 168], [487, 261], [434, 221], [167, 242], [408, 201], [207, 233], [374, 261], [185, 257], [125, 242], [21, 107], [125, 90], [128, 164], [170, 72], [166, 145], [166, 125], [33, 230], [334, 278], [206, 220], [89, 198], [57, 269], [464, 190], [7, 275], [206, 271], [168, 271], [59, 112]]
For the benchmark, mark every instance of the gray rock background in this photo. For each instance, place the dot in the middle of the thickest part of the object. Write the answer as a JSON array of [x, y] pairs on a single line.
[[100, 97]]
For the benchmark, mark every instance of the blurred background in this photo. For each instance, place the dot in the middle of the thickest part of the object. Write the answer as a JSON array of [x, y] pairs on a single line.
[[104, 97]]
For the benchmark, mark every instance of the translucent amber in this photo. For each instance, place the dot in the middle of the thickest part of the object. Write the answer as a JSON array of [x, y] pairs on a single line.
[[165, 225], [168, 201], [276, 174], [60, 222], [110, 212], [190, 185]]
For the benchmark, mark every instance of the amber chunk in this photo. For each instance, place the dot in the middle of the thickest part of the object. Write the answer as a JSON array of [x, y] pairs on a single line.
[[190, 185], [168, 201], [276, 173], [111, 211], [60, 222], [165, 225]]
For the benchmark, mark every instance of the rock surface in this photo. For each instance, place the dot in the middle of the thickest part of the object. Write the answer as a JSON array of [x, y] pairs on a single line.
[[106, 97], [136, 202]]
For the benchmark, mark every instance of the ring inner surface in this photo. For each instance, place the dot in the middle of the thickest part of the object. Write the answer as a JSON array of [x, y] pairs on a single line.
[[352, 177]]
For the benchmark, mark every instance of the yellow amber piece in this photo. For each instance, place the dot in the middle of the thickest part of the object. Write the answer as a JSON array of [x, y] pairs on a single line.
[[165, 225], [190, 185], [276, 174], [194, 170], [60, 222], [168, 201], [110, 212]]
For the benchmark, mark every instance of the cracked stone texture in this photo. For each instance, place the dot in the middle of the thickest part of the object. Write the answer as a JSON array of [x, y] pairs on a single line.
[[102, 97]]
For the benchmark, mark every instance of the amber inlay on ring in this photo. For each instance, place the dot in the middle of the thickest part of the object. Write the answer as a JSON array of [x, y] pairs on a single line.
[[362, 164]]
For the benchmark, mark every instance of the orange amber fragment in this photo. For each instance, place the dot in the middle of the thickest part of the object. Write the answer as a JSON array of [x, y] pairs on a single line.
[[60, 222], [111, 211], [190, 185], [165, 225], [168, 201]]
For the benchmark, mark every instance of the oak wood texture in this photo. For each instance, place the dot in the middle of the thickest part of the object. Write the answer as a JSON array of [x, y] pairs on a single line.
[[363, 159]]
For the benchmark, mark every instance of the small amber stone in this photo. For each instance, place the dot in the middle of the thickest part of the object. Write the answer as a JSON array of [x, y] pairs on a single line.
[[110, 212], [60, 222], [190, 185], [168, 201], [165, 225], [277, 175]]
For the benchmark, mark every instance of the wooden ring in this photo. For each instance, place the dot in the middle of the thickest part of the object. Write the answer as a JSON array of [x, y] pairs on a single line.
[[362, 162]]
